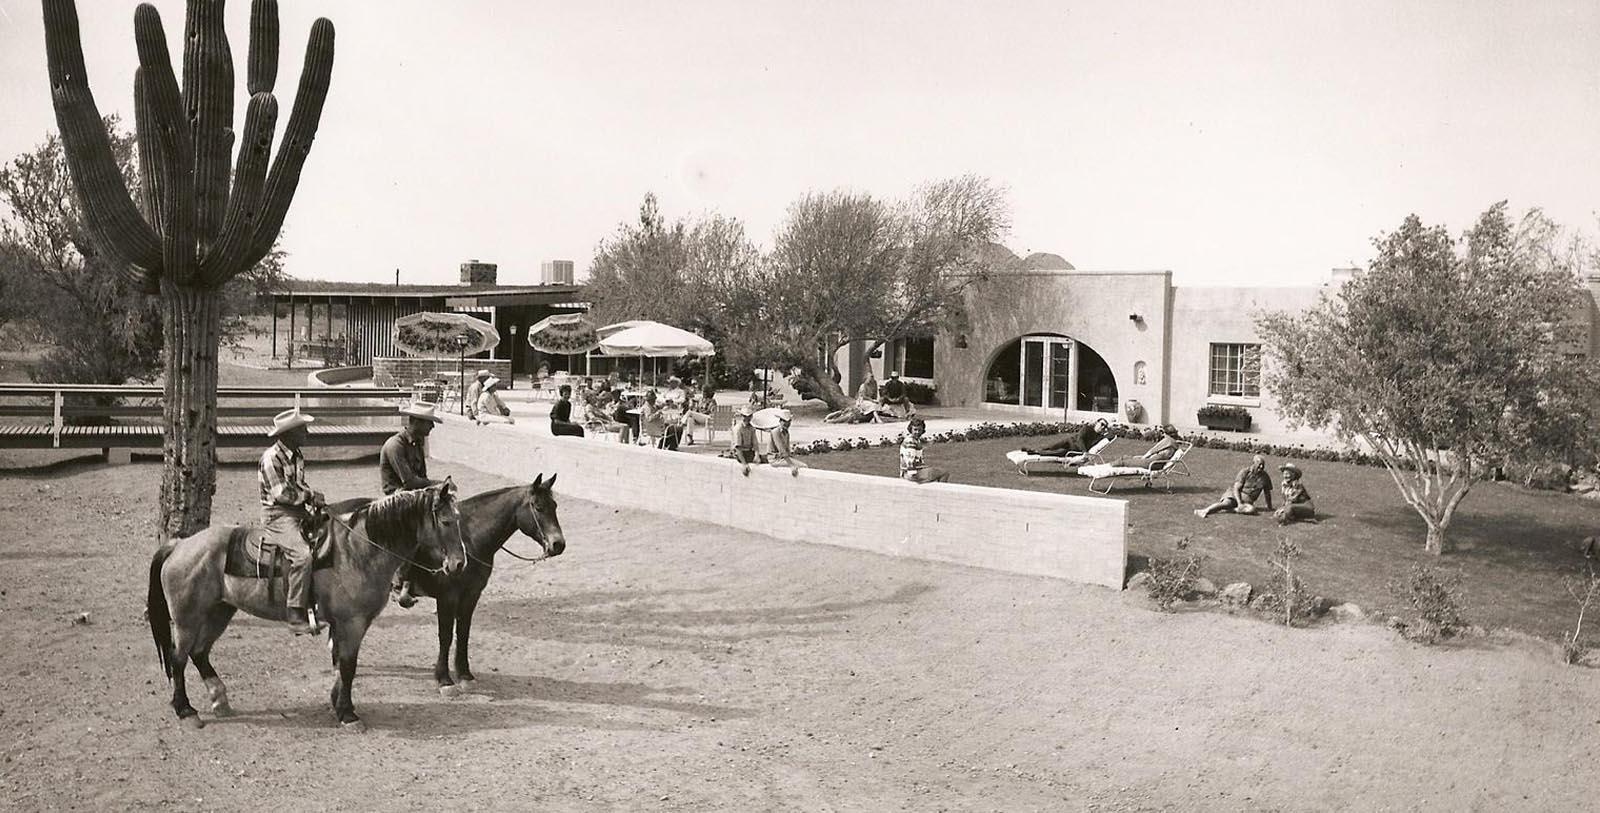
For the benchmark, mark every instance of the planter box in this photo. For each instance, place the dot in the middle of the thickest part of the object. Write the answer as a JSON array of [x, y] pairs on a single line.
[[1232, 423]]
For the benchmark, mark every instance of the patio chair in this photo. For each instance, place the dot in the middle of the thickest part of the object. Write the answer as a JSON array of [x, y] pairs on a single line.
[[721, 420], [1030, 463], [1161, 470]]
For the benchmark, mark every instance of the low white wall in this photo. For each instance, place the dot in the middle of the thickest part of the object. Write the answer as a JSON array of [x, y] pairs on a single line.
[[1081, 539]]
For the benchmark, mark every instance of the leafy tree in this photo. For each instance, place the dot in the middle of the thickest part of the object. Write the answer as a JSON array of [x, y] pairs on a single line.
[[1443, 358], [102, 329]]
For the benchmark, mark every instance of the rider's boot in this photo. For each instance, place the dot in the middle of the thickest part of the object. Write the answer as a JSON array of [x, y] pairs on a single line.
[[300, 622]]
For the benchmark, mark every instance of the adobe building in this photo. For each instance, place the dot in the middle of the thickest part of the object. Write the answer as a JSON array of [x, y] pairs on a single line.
[[1054, 342]]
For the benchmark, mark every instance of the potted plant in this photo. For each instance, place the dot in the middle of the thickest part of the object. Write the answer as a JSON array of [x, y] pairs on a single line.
[[1220, 416]]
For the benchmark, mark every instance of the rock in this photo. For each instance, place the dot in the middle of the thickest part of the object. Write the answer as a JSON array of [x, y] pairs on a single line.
[[1346, 612], [1236, 594], [1320, 606], [1204, 587], [1395, 622], [1139, 579], [1262, 602], [1424, 631]]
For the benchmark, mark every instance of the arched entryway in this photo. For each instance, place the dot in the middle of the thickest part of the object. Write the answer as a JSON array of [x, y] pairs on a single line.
[[1050, 371]]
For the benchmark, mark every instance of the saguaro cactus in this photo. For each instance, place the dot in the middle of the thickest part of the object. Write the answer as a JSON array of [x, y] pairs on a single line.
[[199, 221]]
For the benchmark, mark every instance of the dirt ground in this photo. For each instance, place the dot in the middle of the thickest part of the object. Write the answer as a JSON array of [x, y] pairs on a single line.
[[665, 665]]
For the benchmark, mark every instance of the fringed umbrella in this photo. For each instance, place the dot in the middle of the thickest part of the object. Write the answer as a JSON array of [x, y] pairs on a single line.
[[653, 339], [564, 333], [436, 334]]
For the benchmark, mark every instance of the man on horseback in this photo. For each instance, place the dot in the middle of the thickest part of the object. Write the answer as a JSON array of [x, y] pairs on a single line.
[[286, 505], [402, 466]]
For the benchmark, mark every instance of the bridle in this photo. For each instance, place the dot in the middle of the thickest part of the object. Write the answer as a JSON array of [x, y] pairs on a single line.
[[539, 536], [465, 551]]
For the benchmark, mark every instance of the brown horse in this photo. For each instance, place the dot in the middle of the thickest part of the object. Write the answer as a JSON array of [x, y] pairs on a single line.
[[491, 518], [190, 592]]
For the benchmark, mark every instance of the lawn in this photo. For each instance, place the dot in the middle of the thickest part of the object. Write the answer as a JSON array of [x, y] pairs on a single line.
[[1513, 545]]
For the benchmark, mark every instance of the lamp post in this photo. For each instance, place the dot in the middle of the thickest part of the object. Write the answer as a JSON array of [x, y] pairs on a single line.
[[462, 340]]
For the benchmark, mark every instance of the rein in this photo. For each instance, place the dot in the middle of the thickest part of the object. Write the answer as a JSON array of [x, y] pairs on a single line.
[[363, 537], [538, 526]]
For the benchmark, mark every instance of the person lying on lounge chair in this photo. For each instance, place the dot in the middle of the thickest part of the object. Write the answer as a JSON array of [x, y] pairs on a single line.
[[1076, 444], [1164, 449]]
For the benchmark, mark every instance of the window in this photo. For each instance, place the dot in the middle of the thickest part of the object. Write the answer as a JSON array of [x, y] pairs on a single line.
[[918, 360], [1236, 370]]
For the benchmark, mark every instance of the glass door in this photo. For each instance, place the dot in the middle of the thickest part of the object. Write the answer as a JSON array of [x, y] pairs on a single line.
[[1033, 355], [1047, 371]]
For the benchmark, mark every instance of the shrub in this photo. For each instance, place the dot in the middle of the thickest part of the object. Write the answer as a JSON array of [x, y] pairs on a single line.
[[1584, 591], [1287, 597], [920, 393], [1437, 601], [1173, 580], [1224, 411]]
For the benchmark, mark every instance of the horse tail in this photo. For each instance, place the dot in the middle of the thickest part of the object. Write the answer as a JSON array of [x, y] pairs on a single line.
[[157, 611]]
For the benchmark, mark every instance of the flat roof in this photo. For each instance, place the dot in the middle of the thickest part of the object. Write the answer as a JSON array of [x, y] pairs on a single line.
[[382, 290]]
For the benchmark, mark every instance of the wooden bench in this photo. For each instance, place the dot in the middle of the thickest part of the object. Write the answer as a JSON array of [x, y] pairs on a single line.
[[137, 426]]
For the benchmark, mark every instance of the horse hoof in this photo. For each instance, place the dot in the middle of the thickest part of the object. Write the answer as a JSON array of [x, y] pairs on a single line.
[[192, 722], [354, 726], [222, 709], [449, 691]]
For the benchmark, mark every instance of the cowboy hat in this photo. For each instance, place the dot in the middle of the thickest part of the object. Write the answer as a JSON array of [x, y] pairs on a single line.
[[421, 409], [1290, 467], [746, 411], [289, 419], [482, 374], [490, 382]]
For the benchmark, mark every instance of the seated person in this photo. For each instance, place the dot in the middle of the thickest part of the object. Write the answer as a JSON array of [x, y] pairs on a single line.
[[621, 414], [1164, 449], [561, 415], [893, 393], [912, 465], [474, 390], [658, 424], [697, 413], [781, 453], [744, 439], [1297, 503], [868, 391], [1084, 440], [674, 393], [490, 408], [598, 414], [1240, 498]]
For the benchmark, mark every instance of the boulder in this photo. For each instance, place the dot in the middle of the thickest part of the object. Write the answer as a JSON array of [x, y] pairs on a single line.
[[1320, 606], [1139, 579], [1204, 588], [1236, 594], [1346, 612], [1262, 602]]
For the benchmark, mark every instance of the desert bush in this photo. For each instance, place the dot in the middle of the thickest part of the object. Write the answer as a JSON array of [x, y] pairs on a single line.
[[919, 393], [1584, 591], [1173, 580], [1438, 602], [1286, 596]]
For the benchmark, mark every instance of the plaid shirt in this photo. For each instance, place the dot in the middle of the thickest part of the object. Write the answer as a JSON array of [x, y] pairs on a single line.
[[283, 476], [910, 454]]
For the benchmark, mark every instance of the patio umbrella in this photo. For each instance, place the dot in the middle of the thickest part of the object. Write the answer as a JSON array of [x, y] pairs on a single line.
[[652, 339], [564, 333], [435, 334]]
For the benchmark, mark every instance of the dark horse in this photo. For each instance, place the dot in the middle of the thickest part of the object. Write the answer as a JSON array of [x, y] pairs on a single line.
[[490, 517], [190, 592]]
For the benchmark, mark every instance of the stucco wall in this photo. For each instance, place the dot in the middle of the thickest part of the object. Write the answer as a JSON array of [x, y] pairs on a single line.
[[1201, 316], [1090, 307], [1076, 538]]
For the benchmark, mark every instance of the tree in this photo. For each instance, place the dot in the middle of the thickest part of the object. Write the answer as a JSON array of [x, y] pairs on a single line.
[[101, 327], [1443, 357], [197, 224]]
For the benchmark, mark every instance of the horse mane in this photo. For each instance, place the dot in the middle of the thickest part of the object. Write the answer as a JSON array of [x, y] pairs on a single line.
[[395, 516]]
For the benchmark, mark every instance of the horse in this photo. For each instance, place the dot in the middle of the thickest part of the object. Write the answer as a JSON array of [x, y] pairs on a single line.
[[490, 518], [192, 593]]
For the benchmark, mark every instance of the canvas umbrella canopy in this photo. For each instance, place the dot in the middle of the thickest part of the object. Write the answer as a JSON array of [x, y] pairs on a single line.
[[651, 339], [444, 334], [564, 333]]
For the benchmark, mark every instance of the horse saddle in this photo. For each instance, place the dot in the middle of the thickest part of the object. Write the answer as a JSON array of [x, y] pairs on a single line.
[[251, 554]]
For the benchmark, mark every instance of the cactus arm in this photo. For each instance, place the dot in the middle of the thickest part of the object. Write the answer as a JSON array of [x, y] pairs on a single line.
[[244, 205], [297, 138], [151, 179], [208, 99], [263, 57], [108, 208], [169, 141]]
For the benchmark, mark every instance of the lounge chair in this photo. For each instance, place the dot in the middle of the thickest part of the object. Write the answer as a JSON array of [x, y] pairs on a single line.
[[1162, 470], [1030, 463]]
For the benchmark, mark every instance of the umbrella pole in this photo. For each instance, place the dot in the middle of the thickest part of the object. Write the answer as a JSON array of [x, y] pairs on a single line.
[[461, 399]]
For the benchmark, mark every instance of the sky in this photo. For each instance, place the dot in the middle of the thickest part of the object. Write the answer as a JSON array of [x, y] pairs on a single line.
[[1232, 143]]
